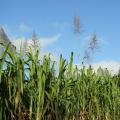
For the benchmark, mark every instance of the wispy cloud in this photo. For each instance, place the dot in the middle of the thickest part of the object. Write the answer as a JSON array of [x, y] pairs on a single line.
[[61, 25], [44, 42], [24, 28]]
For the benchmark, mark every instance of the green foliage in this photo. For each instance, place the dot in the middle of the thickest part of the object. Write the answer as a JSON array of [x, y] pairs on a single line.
[[31, 90]]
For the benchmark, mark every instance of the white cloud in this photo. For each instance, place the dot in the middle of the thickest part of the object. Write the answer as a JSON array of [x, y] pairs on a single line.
[[113, 66], [44, 42]]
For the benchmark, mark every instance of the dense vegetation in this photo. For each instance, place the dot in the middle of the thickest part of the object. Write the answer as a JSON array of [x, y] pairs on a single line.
[[32, 89]]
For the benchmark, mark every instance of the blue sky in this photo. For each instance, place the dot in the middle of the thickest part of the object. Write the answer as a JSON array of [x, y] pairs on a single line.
[[54, 19]]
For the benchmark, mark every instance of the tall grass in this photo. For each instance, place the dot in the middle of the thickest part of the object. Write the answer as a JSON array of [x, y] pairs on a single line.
[[31, 90]]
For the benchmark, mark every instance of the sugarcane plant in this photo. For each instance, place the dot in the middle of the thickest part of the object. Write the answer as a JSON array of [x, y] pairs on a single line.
[[32, 89]]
